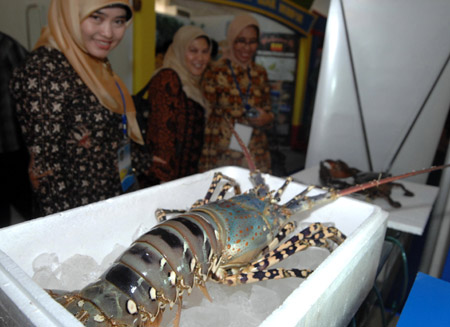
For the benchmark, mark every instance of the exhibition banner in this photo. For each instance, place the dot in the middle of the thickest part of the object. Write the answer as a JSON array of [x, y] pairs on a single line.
[[286, 12]]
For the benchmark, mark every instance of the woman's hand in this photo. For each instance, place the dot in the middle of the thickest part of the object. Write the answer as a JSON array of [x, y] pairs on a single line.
[[262, 119], [35, 173]]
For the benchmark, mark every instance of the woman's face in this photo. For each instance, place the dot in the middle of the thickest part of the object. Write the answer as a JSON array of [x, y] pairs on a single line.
[[103, 30], [245, 45], [197, 56]]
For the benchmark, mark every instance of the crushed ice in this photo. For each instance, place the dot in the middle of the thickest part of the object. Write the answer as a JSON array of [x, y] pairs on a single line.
[[244, 305]]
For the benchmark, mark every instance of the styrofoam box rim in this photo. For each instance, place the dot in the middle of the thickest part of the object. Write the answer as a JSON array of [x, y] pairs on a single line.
[[15, 241], [297, 310]]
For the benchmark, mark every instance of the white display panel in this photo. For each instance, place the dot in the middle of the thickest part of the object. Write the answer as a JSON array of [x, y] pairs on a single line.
[[389, 59]]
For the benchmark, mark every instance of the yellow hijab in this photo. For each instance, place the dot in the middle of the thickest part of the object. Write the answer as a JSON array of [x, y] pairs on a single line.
[[64, 33], [239, 22], [176, 60]]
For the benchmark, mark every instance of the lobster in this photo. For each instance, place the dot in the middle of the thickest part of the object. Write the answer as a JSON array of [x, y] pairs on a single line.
[[231, 241], [335, 173]]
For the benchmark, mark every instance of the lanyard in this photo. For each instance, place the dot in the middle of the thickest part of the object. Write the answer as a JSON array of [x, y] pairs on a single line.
[[124, 115], [244, 99]]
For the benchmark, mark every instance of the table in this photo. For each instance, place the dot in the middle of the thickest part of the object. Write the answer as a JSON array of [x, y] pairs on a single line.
[[411, 218]]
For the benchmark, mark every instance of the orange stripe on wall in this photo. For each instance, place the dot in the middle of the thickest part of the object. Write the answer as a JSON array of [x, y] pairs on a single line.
[[144, 43]]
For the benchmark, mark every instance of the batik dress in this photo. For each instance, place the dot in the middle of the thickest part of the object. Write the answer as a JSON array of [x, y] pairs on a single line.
[[72, 139], [176, 127], [227, 108]]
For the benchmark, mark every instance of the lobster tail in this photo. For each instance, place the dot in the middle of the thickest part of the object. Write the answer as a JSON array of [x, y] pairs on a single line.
[[152, 274]]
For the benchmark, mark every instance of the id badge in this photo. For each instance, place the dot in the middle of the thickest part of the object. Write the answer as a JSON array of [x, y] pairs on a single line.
[[127, 178], [245, 133]]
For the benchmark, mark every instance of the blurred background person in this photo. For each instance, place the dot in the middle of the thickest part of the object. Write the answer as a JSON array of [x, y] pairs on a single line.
[[239, 95], [76, 115], [15, 188], [178, 109]]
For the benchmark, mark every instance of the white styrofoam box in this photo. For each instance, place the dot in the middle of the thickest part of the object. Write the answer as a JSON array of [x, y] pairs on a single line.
[[330, 296]]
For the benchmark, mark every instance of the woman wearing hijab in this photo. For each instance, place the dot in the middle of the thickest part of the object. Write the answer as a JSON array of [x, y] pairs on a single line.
[[178, 109], [77, 117], [239, 95]]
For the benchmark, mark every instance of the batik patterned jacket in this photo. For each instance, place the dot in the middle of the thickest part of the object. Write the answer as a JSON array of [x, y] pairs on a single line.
[[175, 127], [227, 107], [72, 139]]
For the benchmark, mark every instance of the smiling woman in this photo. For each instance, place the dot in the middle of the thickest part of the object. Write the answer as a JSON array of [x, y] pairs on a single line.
[[246, 44], [177, 118], [102, 30], [239, 94], [197, 56], [77, 117]]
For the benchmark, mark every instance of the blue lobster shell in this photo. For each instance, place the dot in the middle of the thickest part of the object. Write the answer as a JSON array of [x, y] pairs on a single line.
[[211, 241]]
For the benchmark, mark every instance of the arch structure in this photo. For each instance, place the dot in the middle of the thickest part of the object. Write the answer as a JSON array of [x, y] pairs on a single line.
[[285, 12]]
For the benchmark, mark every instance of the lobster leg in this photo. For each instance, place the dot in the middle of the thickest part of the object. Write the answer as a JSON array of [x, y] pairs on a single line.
[[406, 192], [259, 276], [224, 190], [161, 214], [386, 195], [315, 235], [286, 230], [303, 202], [212, 188], [280, 191]]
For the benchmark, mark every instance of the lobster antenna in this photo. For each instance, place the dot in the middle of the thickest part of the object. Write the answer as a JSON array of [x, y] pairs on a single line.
[[250, 162], [377, 182]]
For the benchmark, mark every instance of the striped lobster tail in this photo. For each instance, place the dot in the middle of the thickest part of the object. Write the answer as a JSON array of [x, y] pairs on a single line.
[[153, 273]]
